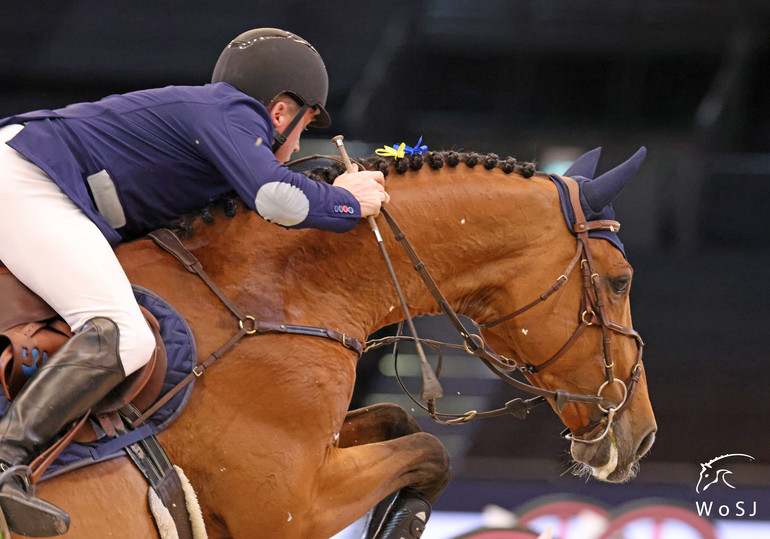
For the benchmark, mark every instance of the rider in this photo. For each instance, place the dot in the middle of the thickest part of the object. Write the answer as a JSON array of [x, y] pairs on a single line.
[[77, 181]]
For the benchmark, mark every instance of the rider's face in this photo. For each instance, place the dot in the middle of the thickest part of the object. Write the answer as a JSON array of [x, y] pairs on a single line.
[[282, 114]]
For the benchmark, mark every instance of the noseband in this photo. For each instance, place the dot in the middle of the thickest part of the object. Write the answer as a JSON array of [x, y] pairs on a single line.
[[592, 312]]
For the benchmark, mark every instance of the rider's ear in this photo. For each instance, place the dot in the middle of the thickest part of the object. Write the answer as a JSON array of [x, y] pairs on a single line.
[[279, 112]]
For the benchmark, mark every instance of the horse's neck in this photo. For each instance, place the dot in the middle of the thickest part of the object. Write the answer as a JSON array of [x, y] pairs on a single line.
[[475, 229], [466, 225]]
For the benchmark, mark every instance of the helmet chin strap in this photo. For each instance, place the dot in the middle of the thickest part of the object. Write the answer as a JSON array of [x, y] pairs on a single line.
[[280, 138]]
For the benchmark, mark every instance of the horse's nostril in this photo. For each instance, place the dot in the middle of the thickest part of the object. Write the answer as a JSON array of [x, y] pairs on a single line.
[[646, 444]]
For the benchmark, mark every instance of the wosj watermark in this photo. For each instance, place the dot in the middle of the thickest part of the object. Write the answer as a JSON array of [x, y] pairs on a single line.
[[716, 483]]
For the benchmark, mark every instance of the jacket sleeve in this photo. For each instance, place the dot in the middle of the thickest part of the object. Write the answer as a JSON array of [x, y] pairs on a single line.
[[238, 142]]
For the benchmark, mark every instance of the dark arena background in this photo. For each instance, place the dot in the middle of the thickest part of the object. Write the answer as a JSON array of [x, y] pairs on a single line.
[[542, 81]]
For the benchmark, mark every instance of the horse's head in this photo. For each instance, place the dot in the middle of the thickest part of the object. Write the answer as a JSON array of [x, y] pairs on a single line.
[[579, 341]]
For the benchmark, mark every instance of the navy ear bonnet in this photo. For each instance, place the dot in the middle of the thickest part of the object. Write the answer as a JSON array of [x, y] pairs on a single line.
[[596, 195]]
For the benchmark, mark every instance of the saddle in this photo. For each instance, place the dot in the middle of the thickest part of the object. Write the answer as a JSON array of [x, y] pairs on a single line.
[[31, 332]]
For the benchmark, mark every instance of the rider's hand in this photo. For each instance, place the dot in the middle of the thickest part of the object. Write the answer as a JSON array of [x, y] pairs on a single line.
[[368, 187]]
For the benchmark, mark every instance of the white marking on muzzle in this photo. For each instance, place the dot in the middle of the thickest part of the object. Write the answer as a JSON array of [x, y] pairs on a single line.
[[604, 472]]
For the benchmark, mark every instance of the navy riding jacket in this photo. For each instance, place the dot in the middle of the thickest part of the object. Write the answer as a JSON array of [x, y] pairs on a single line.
[[132, 162]]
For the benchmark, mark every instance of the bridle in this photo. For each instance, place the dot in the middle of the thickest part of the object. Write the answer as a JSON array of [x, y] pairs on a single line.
[[592, 311]]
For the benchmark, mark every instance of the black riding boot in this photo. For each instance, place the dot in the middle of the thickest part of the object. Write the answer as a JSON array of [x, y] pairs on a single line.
[[402, 515], [72, 381]]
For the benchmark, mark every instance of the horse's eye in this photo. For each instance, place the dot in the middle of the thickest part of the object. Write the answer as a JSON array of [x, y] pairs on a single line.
[[620, 284]]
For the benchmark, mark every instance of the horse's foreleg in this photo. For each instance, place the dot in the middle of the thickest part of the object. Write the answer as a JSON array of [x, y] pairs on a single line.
[[356, 477], [377, 423]]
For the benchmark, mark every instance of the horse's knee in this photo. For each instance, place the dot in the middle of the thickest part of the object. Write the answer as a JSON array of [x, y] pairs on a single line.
[[440, 457], [435, 469]]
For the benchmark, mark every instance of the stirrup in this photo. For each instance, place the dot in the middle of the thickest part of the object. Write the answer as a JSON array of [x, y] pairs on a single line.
[[24, 513]]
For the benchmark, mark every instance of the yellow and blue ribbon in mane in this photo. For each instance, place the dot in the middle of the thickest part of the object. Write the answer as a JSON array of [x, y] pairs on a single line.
[[399, 151], [395, 151]]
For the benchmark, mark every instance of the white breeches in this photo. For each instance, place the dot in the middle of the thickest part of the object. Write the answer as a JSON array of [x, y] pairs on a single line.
[[52, 247]]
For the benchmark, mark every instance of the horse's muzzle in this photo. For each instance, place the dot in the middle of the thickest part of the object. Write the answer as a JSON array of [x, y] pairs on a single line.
[[614, 459]]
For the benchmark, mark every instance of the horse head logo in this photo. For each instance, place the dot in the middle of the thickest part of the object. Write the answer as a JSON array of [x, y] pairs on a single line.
[[710, 474]]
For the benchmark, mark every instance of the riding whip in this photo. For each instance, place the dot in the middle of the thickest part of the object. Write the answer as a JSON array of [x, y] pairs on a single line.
[[431, 388]]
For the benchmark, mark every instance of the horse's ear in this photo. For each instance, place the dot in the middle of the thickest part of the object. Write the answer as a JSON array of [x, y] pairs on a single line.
[[585, 165], [603, 190]]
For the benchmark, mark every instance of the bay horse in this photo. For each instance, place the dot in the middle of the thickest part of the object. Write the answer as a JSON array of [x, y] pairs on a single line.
[[267, 439]]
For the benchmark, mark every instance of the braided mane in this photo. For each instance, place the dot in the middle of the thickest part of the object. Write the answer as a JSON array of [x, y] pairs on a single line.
[[229, 203], [434, 160]]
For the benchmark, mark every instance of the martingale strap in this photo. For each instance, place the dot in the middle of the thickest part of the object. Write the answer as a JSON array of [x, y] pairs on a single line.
[[247, 324]]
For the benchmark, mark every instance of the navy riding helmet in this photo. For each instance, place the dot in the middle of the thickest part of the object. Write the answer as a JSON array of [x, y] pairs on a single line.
[[265, 62]]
